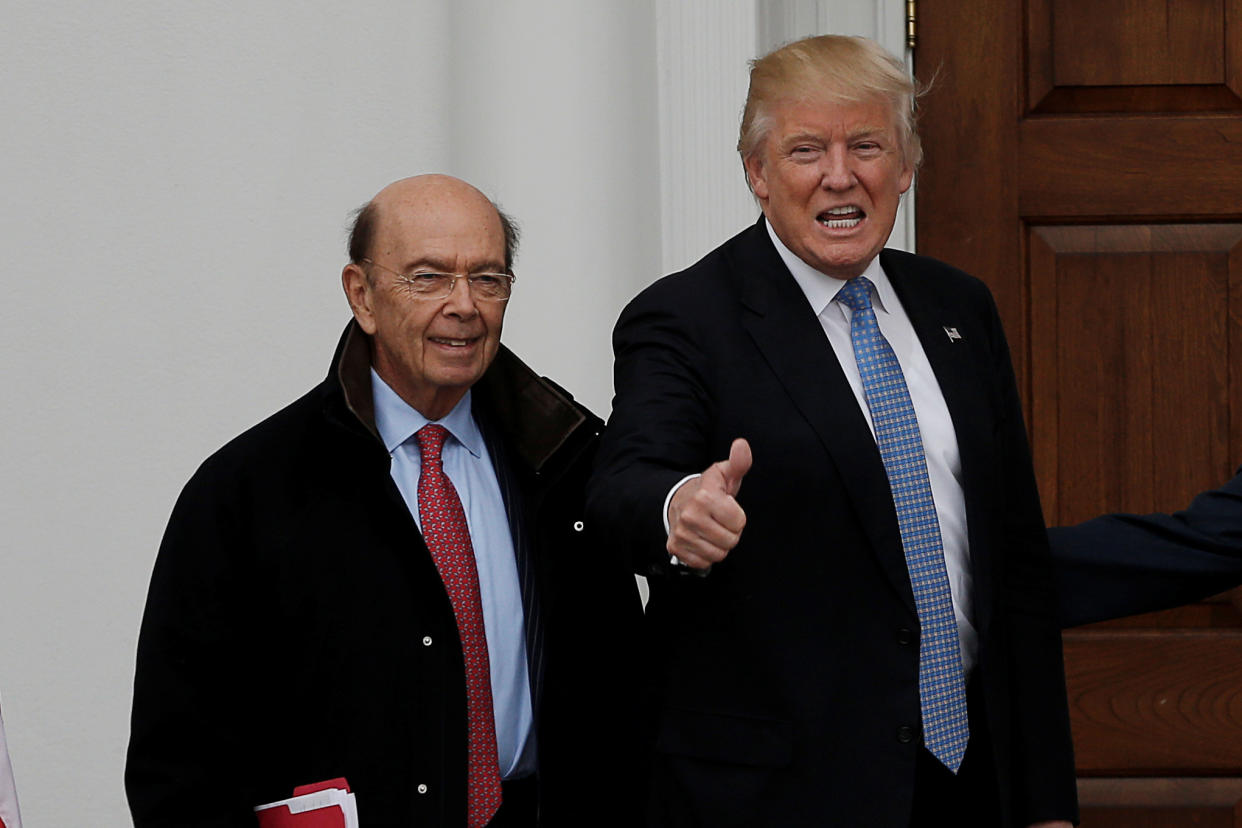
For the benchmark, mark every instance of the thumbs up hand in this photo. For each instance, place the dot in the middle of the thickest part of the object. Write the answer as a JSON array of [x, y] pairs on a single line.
[[704, 520]]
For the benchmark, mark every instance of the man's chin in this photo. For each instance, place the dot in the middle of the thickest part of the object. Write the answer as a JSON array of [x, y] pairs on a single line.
[[842, 265]]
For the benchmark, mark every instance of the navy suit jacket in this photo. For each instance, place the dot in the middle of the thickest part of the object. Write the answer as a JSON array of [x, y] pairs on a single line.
[[1119, 565], [784, 685]]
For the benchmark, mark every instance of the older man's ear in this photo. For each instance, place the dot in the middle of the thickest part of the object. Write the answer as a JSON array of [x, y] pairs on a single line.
[[358, 291]]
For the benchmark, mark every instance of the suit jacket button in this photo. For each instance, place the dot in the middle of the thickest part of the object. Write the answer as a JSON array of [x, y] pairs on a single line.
[[905, 735], [904, 636], [422, 789], [426, 641], [578, 526]]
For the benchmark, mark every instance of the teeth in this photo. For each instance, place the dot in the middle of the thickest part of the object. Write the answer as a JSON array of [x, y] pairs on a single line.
[[855, 213], [455, 342]]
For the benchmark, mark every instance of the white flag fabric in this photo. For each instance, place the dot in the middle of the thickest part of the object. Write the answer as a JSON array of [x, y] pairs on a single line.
[[9, 817]]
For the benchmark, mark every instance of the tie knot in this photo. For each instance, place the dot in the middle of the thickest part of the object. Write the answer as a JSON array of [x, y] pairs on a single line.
[[856, 294], [430, 439]]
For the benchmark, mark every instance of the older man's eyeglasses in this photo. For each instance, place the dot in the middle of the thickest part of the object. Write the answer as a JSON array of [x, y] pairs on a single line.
[[484, 287]]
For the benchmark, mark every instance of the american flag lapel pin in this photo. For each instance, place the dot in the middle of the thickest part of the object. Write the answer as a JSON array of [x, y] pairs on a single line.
[[952, 333]]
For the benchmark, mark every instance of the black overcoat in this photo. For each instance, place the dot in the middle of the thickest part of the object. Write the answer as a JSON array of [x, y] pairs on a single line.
[[296, 629]]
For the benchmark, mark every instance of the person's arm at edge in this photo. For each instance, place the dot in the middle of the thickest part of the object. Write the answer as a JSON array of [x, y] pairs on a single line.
[[1121, 564]]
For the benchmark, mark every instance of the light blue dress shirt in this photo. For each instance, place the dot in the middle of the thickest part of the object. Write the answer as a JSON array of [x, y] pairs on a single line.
[[469, 467]]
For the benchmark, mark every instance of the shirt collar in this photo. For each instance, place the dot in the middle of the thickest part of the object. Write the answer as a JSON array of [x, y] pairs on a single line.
[[820, 289], [397, 421]]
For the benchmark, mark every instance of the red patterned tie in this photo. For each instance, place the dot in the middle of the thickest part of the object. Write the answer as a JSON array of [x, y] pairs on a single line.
[[448, 540]]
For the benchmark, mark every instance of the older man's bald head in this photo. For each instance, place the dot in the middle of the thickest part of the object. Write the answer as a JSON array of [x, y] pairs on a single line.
[[411, 193]]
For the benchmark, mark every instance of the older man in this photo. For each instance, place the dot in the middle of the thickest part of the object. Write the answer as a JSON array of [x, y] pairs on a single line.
[[389, 582], [850, 606]]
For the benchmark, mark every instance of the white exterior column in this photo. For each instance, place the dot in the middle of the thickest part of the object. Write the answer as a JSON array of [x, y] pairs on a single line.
[[704, 46]]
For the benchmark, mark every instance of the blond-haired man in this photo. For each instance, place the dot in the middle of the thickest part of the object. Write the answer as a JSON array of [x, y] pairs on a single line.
[[817, 456]]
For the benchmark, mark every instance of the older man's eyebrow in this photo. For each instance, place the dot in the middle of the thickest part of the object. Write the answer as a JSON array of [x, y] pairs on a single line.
[[431, 263]]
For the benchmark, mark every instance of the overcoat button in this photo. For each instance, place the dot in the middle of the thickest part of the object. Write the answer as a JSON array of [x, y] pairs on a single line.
[[904, 636], [577, 526], [905, 735], [426, 641], [422, 789]]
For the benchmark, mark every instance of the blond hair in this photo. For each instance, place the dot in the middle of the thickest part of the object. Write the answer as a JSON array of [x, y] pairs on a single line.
[[830, 68]]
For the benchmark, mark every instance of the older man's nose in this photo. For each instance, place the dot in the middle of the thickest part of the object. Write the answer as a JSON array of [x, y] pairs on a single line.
[[460, 302]]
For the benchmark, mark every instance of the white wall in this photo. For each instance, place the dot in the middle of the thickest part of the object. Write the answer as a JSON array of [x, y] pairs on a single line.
[[178, 177], [554, 115]]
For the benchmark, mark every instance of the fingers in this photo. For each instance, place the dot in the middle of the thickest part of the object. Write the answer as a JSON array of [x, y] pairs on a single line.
[[705, 521]]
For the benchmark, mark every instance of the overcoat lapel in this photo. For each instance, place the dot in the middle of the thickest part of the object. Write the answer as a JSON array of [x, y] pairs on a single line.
[[953, 347], [789, 336]]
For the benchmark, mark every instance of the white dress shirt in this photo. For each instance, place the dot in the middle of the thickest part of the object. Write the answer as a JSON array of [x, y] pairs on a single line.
[[469, 466], [944, 465]]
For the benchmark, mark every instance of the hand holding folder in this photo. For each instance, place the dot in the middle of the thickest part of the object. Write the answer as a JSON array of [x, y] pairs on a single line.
[[327, 804]]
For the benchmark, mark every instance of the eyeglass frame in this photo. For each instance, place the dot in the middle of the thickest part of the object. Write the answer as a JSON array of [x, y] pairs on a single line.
[[453, 277]]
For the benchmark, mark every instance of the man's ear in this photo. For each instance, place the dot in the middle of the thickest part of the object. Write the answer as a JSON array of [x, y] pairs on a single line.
[[906, 178], [358, 292], [755, 175]]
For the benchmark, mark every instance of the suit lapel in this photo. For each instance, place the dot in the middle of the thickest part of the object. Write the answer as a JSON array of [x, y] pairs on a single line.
[[785, 330], [952, 341]]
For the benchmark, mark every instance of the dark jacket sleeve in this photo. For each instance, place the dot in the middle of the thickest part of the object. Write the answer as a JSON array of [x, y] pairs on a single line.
[[656, 374], [187, 751], [1119, 565]]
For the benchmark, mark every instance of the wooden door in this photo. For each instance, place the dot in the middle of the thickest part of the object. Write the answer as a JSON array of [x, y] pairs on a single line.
[[1084, 157]]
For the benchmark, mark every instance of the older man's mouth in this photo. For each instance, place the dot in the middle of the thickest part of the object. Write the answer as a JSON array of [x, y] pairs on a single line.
[[841, 218], [452, 343]]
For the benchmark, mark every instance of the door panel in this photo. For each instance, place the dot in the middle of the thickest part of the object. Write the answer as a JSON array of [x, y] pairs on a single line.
[[1131, 56], [1142, 312]]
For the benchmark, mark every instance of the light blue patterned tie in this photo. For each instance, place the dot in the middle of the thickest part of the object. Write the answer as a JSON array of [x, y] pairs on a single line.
[[942, 686]]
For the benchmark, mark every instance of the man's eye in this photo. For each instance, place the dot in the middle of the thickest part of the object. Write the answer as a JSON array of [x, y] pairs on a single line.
[[486, 280], [425, 281]]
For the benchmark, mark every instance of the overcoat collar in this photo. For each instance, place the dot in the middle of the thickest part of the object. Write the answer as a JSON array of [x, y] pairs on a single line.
[[533, 416]]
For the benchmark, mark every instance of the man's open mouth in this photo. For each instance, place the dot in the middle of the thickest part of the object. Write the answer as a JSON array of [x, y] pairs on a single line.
[[841, 218]]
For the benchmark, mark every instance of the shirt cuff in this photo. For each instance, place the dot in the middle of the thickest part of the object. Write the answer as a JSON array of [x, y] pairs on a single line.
[[672, 559]]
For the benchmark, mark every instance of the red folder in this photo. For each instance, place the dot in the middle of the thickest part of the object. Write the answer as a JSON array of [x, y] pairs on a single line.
[[282, 817], [328, 816], [326, 785]]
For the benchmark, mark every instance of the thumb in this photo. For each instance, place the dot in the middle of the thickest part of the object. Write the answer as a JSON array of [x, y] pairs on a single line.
[[735, 468]]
